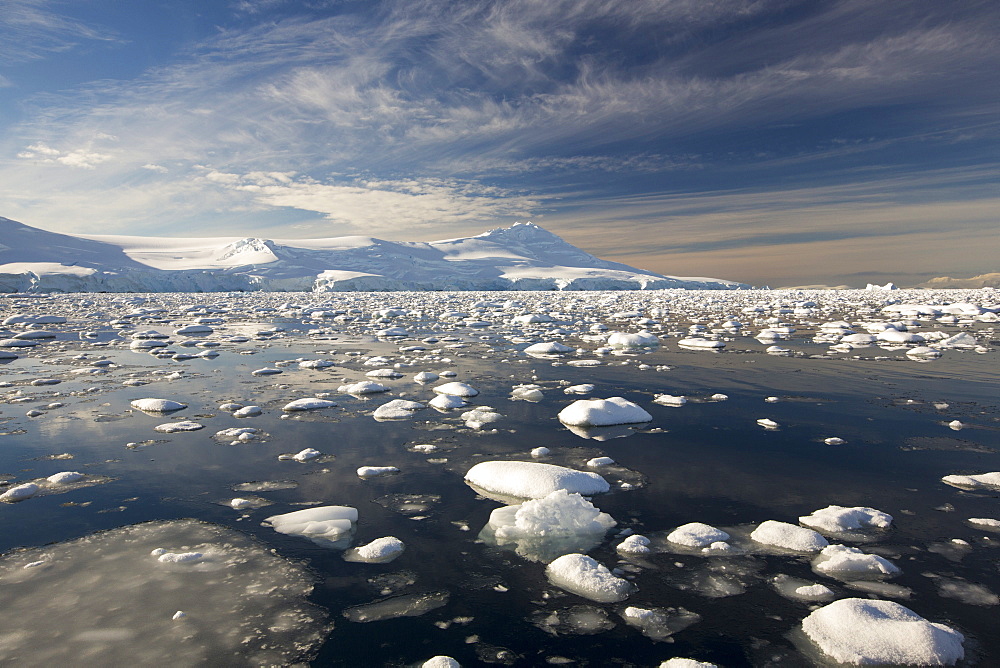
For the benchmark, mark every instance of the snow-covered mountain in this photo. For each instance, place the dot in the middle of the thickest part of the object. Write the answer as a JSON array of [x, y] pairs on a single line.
[[521, 257]]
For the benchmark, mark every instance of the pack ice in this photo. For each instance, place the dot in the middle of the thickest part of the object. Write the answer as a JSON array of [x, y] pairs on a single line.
[[533, 480]]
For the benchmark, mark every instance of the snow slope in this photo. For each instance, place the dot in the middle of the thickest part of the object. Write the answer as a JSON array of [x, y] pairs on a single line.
[[521, 257]]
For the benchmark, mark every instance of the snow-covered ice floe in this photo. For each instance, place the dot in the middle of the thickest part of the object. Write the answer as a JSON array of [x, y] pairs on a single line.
[[532, 480], [157, 405], [112, 599], [840, 519], [977, 481], [584, 576], [788, 537], [603, 412], [864, 632], [379, 551], [330, 526]]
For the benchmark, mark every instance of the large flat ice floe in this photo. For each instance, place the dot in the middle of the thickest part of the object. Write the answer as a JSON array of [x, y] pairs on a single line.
[[603, 413], [584, 576], [533, 480], [863, 632], [112, 599]]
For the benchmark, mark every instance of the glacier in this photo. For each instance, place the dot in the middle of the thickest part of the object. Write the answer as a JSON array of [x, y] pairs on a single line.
[[521, 257]]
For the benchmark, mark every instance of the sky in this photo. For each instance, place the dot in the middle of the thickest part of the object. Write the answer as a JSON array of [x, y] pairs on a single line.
[[773, 142]]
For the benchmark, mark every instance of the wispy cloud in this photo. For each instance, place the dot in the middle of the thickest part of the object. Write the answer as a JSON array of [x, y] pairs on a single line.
[[30, 29]]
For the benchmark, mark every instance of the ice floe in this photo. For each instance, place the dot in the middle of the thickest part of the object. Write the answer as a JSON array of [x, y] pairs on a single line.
[[325, 525], [603, 412], [378, 551], [532, 480], [788, 537], [584, 576]]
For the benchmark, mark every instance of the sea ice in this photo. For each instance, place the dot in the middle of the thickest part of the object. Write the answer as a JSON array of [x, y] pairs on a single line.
[[325, 525], [379, 551], [533, 480], [20, 492], [157, 405], [407, 605], [440, 661], [101, 600], [982, 480], [696, 534], [603, 412], [363, 387], [174, 427], [634, 544], [583, 576], [850, 563], [678, 662], [625, 341], [480, 416], [866, 632], [659, 623], [788, 537], [548, 348], [444, 402], [456, 389], [670, 400], [397, 409], [838, 519], [375, 471], [308, 404]]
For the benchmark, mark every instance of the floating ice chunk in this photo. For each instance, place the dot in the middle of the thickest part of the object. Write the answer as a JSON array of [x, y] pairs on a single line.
[[238, 434], [788, 537], [241, 504], [956, 425], [798, 589], [540, 451], [267, 371], [456, 389], [397, 409], [966, 592], [122, 612], [157, 405], [659, 623], [391, 374], [527, 393], [670, 400], [850, 563], [985, 523], [409, 605], [598, 462], [533, 480], [634, 544], [20, 492], [924, 352], [624, 341], [306, 454], [962, 340], [834, 440], [425, 377], [316, 364], [180, 614], [584, 388], [480, 416], [837, 519], [323, 524], [696, 534], [578, 620], [180, 557], [548, 348], [698, 342], [719, 397], [444, 402], [603, 412], [440, 661], [583, 576], [979, 481], [248, 411], [896, 336], [865, 632], [767, 423], [64, 477], [308, 404], [174, 427], [363, 387], [678, 662], [374, 471], [379, 551]]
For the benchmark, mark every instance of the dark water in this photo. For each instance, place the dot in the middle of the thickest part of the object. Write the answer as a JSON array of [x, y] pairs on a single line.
[[706, 461]]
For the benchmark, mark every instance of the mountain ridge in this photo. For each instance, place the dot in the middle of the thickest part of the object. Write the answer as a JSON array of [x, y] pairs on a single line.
[[521, 257]]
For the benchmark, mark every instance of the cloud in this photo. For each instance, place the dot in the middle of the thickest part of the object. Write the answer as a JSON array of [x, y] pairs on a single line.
[[31, 30], [81, 158]]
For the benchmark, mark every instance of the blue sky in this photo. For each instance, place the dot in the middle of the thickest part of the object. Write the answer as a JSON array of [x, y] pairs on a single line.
[[781, 142]]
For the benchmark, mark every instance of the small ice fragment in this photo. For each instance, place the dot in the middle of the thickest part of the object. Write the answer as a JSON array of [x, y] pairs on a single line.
[[456, 389], [373, 471], [180, 557], [955, 425], [363, 387], [157, 405], [540, 451], [446, 402], [603, 412], [850, 563], [583, 576], [329, 523], [767, 423], [397, 409], [634, 544], [834, 440], [771, 400], [597, 462], [839, 519], [174, 427], [247, 411], [584, 388], [180, 614], [696, 534], [719, 397], [241, 504], [533, 480], [527, 393], [788, 537], [480, 416], [308, 404], [20, 492], [984, 522], [268, 371], [425, 377], [379, 551], [982, 480], [64, 477], [306, 454], [670, 400], [34, 564], [440, 662], [678, 662]]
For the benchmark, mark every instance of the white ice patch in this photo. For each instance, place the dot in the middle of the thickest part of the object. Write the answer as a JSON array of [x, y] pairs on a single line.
[[543, 529], [379, 551], [533, 480], [308, 404], [788, 537], [670, 400], [326, 525], [583, 576], [979, 481], [659, 623], [408, 605], [865, 632], [363, 387], [456, 389], [634, 544], [20, 492], [397, 409], [583, 388], [375, 471], [838, 519], [445, 402], [626, 341], [157, 405], [480, 416], [102, 600], [64, 477], [696, 534], [175, 427], [850, 563], [603, 412]]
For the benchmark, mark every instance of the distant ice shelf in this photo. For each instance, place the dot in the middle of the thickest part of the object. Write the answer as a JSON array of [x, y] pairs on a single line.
[[521, 257]]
